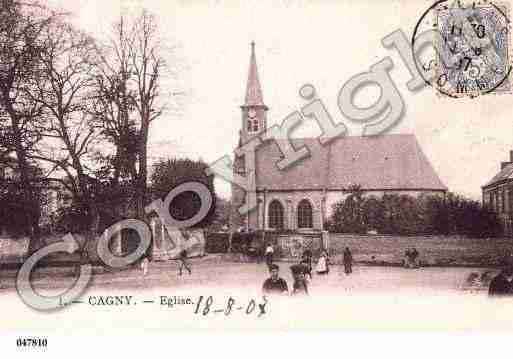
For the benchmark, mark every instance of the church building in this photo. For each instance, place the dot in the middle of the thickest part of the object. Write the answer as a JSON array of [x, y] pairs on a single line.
[[300, 197]]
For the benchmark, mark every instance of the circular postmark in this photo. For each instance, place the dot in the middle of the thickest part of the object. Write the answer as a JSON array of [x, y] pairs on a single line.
[[469, 47]]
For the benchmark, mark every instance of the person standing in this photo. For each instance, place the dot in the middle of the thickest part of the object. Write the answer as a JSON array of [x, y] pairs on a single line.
[[407, 258], [269, 253], [300, 286], [275, 285], [306, 260], [348, 261], [323, 264], [183, 262], [144, 265], [414, 256], [502, 284]]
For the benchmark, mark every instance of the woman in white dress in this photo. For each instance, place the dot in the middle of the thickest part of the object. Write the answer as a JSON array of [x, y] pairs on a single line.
[[323, 264]]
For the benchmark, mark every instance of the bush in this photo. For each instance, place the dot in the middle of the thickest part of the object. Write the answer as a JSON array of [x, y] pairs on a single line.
[[407, 215], [348, 215]]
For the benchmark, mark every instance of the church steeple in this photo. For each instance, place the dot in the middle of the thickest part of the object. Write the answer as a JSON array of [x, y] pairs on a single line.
[[254, 117], [253, 90]]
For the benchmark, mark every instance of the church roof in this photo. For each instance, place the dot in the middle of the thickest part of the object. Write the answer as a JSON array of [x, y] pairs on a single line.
[[384, 162], [253, 90]]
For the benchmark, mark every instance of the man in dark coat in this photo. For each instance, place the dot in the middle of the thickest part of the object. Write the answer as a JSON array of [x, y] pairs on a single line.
[[502, 285], [348, 261], [275, 285], [306, 260]]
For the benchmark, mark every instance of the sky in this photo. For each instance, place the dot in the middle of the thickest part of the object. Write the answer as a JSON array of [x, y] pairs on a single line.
[[323, 43]]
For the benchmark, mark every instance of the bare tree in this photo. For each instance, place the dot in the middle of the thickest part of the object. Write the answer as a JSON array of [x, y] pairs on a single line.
[[129, 97], [114, 108], [63, 90]]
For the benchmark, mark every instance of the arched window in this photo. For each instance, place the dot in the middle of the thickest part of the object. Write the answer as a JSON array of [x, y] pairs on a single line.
[[304, 214], [255, 125], [275, 215], [249, 125]]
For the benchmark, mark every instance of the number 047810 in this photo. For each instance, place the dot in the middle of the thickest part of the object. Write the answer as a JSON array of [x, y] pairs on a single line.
[[31, 342]]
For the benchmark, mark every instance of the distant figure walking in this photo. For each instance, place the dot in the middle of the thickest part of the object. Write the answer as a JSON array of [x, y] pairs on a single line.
[[306, 261], [183, 262], [144, 265], [269, 253], [348, 261], [323, 264], [502, 284]]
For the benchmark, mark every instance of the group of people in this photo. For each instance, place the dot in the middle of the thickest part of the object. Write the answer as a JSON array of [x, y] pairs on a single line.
[[144, 263], [411, 256], [277, 285], [502, 284]]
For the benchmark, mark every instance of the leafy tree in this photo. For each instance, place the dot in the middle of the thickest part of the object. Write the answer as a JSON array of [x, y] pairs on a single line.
[[13, 220], [168, 174], [21, 43], [407, 215], [373, 211], [348, 215], [403, 215]]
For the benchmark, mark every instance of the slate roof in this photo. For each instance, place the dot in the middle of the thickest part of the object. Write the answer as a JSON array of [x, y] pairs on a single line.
[[505, 174], [384, 162]]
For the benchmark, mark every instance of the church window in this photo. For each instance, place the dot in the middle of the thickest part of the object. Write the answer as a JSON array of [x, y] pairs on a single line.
[[255, 125], [249, 125], [275, 215], [304, 214]]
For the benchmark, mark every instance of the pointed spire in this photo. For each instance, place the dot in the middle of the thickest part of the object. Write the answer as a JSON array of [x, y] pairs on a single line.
[[253, 91]]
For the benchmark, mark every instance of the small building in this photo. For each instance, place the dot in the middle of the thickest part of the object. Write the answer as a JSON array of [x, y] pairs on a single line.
[[498, 195]]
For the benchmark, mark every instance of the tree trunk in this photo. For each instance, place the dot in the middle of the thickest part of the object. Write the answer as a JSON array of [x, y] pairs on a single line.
[[30, 204], [143, 174]]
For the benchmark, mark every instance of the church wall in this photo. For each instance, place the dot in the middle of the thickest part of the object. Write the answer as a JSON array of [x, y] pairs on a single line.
[[290, 201]]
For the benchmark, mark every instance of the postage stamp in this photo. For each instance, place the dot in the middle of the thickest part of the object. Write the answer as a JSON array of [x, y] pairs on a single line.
[[472, 52]]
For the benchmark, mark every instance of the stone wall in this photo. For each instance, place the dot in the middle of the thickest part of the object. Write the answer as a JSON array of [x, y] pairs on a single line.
[[433, 250], [13, 249], [292, 246]]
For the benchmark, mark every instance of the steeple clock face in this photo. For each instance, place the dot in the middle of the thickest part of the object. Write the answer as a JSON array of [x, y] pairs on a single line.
[[252, 113]]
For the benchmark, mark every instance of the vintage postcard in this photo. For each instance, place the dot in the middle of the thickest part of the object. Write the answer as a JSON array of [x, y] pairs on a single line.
[[255, 165]]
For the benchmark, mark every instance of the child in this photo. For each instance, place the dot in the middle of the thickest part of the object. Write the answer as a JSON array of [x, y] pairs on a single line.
[[300, 286], [323, 264], [144, 265], [183, 262], [306, 260]]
